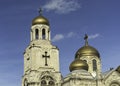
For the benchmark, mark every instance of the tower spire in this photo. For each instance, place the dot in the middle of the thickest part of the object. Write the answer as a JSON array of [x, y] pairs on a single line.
[[86, 40]]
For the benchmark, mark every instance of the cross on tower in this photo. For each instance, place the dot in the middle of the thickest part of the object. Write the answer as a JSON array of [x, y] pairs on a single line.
[[45, 56], [86, 40], [40, 11]]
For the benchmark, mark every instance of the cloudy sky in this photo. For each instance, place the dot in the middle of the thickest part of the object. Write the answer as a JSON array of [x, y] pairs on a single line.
[[69, 21]]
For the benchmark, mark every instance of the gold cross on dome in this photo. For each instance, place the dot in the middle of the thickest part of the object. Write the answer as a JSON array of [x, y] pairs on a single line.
[[86, 40], [40, 11]]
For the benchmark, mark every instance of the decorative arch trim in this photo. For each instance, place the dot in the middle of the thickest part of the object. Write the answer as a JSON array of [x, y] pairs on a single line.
[[114, 83]]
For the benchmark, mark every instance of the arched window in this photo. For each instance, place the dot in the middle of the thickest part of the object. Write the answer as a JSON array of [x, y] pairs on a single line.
[[43, 33], [36, 34], [85, 61], [94, 65], [43, 83], [114, 84], [51, 83], [47, 81], [25, 82]]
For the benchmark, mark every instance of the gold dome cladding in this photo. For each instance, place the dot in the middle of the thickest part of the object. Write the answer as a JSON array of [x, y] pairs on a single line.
[[78, 64], [87, 50], [40, 20]]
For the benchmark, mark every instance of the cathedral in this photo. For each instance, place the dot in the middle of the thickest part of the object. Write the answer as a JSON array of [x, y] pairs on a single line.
[[42, 67]]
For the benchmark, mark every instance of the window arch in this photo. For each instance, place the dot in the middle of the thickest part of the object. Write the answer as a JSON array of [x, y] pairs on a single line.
[[43, 83], [25, 82], [94, 62], [85, 61], [47, 81], [114, 84], [51, 83], [36, 34], [43, 34]]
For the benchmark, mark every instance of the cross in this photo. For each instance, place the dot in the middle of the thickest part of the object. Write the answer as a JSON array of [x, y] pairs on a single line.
[[86, 40], [40, 11], [45, 56]]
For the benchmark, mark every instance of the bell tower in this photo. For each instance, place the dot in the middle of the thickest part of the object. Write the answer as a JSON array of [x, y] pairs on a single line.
[[41, 58], [40, 29]]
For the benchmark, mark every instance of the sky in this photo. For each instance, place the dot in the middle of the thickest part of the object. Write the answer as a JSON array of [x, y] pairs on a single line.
[[69, 21]]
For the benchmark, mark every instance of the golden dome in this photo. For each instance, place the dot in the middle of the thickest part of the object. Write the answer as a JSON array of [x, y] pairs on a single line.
[[78, 64], [40, 20], [87, 51]]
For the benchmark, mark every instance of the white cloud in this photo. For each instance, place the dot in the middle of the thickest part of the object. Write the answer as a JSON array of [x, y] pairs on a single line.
[[62, 6], [71, 34], [57, 37], [94, 36]]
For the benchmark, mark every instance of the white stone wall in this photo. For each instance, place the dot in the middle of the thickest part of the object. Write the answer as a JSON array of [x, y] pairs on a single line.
[[112, 78], [90, 65], [34, 63]]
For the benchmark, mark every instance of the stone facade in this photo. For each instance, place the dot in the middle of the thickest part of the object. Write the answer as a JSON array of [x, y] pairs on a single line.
[[41, 63]]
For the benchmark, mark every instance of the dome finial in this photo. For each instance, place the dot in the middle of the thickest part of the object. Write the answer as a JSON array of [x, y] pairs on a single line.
[[86, 40], [40, 11]]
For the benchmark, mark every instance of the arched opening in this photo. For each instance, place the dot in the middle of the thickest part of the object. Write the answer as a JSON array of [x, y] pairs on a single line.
[[43, 83], [25, 82], [36, 34], [115, 83], [47, 81], [51, 83], [85, 61], [48, 34], [43, 34], [94, 64]]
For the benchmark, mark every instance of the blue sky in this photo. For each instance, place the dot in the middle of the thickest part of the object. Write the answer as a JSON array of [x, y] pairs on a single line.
[[69, 21]]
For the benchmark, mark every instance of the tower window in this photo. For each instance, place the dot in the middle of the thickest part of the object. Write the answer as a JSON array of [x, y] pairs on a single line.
[[25, 82], [36, 34], [85, 61], [43, 83], [51, 83], [94, 65], [43, 33], [47, 81], [48, 34]]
